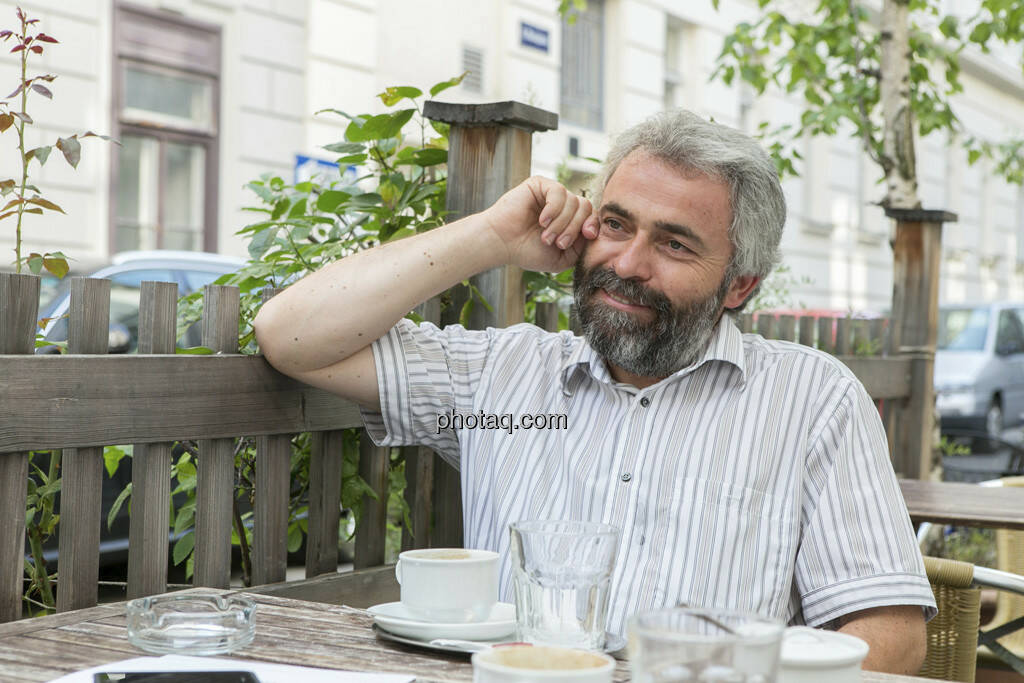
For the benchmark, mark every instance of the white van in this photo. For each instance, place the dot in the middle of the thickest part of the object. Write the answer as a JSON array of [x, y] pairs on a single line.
[[979, 366]]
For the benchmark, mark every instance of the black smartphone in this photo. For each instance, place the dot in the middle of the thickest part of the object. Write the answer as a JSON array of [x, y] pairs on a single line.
[[176, 677]]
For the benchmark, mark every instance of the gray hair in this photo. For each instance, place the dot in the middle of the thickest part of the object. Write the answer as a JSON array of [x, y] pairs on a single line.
[[684, 140]]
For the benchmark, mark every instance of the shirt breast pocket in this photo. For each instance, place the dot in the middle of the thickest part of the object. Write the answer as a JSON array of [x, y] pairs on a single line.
[[734, 547]]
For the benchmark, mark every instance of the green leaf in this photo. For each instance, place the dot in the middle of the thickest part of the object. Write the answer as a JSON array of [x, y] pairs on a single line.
[[467, 309], [116, 507], [981, 33], [950, 26], [35, 263], [262, 241], [330, 200], [112, 456], [973, 155], [56, 264], [30, 514], [345, 147], [392, 95], [351, 159], [40, 154], [185, 518], [294, 538], [194, 351], [444, 85], [71, 148], [183, 547], [45, 203]]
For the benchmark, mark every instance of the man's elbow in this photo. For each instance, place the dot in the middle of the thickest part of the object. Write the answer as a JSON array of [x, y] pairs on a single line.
[[918, 649], [267, 338]]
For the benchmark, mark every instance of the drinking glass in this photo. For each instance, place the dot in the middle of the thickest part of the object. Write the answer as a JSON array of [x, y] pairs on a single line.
[[562, 572], [684, 645]]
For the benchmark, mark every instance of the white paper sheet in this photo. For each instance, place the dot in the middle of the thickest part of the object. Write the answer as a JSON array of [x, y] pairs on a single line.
[[267, 673]]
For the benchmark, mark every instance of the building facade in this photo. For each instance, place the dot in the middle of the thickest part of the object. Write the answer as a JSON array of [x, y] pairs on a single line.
[[205, 95]]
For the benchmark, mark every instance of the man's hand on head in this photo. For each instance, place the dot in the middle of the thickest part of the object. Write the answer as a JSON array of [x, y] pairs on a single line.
[[541, 224]]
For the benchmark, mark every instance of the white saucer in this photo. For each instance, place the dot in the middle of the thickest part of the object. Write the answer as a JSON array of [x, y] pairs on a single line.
[[395, 618]]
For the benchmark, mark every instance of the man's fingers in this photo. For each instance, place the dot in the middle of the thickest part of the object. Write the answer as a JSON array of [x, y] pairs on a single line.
[[575, 226], [554, 200], [559, 223]]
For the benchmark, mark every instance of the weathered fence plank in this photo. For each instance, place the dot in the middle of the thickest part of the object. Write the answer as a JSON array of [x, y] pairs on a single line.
[[270, 517], [324, 502], [806, 335], [371, 530], [19, 310], [57, 401], [215, 476], [787, 327], [78, 534], [151, 463]]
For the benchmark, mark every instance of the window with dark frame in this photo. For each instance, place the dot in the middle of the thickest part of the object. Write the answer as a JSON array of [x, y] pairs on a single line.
[[582, 89], [166, 86]]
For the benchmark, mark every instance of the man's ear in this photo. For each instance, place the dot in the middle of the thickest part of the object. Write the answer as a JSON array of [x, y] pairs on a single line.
[[739, 290]]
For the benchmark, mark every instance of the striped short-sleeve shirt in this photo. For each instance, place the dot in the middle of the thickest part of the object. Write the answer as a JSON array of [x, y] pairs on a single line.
[[756, 479]]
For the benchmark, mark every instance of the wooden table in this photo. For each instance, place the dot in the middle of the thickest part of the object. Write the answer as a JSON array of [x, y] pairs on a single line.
[[943, 502], [287, 632]]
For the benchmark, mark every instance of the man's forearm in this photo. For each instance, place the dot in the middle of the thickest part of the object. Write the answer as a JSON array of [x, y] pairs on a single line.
[[334, 312]]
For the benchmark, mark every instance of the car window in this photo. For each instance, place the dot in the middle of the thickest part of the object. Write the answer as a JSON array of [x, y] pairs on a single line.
[[195, 279], [962, 329], [1010, 336]]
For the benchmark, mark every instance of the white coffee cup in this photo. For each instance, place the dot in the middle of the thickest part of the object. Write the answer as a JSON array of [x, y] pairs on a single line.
[[811, 655], [524, 663], [448, 585]]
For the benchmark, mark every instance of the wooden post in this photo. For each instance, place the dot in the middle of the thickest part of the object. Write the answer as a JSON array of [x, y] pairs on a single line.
[[917, 249], [151, 462], [490, 148], [215, 477], [19, 310], [78, 534]]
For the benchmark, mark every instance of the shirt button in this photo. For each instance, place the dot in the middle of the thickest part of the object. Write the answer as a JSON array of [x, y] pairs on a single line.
[[627, 476], [645, 401]]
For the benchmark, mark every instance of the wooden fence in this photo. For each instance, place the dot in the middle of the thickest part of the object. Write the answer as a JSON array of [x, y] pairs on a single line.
[[85, 400]]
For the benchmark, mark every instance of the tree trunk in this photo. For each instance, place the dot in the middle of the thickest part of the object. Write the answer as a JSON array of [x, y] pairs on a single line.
[[898, 136]]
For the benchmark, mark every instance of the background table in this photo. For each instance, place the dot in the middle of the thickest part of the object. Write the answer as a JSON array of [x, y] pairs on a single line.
[[287, 632], [942, 502]]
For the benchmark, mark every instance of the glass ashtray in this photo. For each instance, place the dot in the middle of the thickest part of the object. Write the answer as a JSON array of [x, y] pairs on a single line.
[[191, 624]]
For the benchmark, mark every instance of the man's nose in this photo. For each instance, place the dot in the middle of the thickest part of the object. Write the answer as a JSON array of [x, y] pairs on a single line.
[[632, 261]]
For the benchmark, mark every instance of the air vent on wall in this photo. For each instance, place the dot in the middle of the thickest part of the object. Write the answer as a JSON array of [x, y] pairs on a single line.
[[473, 62]]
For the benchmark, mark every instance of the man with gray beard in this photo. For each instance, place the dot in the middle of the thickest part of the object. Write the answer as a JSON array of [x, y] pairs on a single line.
[[744, 473]]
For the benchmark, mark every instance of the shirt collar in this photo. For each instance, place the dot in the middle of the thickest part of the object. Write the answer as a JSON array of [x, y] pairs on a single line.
[[725, 345]]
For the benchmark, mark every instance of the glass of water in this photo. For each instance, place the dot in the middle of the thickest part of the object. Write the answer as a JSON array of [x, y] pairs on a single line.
[[693, 645], [561, 573]]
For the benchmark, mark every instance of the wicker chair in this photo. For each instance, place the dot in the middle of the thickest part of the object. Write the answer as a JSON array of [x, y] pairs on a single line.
[[1002, 642], [953, 633]]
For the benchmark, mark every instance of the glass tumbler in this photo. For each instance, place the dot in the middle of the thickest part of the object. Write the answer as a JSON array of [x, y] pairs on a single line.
[[684, 645], [562, 572]]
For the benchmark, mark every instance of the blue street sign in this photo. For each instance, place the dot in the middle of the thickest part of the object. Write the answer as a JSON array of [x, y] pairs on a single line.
[[307, 168], [533, 36]]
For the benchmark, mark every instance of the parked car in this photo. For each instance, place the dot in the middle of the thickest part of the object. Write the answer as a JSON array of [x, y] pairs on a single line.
[[979, 366], [127, 271], [189, 269]]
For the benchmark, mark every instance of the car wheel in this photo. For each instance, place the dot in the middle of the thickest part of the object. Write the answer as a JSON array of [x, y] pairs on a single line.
[[994, 419]]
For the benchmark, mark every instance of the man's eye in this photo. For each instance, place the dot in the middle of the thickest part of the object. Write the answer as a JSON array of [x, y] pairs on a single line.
[[612, 224], [677, 246]]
